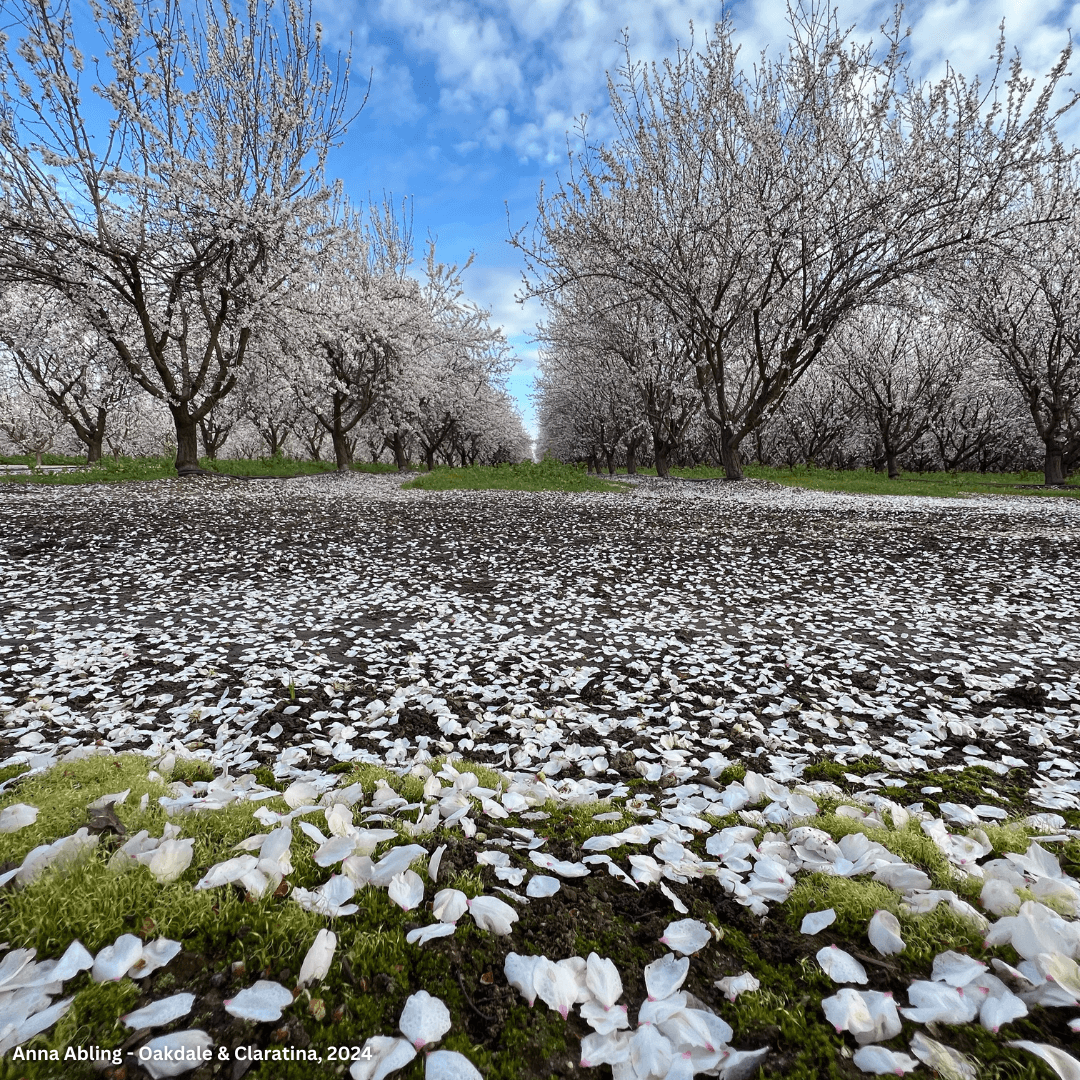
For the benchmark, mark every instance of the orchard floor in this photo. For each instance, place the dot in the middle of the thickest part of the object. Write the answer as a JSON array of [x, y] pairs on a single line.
[[619, 645]]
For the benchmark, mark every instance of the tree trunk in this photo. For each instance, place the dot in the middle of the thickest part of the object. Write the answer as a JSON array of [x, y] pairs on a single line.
[[341, 446], [1054, 464], [187, 440], [631, 459], [429, 458], [729, 456], [93, 446], [610, 456], [893, 467], [397, 444], [660, 454]]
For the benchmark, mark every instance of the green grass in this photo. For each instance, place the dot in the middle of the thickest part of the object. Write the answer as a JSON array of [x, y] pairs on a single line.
[[547, 475], [868, 482], [115, 470], [219, 927], [30, 460], [376, 969], [943, 484]]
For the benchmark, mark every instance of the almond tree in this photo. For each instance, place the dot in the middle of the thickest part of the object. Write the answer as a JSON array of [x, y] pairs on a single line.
[[63, 363], [983, 425], [457, 357], [621, 347], [352, 322], [267, 397], [1022, 296], [489, 431], [170, 211], [26, 421], [901, 369], [813, 421], [759, 209]]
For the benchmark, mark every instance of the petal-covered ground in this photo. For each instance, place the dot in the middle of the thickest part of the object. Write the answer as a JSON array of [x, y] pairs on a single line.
[[681, 718]]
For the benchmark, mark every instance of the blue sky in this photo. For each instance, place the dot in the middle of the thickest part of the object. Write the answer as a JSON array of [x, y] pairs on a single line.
[[470, 102]]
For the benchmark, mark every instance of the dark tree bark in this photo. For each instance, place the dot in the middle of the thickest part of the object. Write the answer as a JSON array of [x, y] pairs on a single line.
[[187, 440]]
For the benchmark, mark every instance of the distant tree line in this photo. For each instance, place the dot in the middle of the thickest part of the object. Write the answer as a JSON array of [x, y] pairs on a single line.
[[822, 259], [175, 266]]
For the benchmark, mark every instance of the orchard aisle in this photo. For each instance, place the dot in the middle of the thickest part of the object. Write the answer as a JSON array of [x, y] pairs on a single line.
[[502, 747]]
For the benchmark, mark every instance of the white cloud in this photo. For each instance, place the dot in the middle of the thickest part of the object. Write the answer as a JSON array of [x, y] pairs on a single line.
[[495, 288], [391, 96], [516, 73]]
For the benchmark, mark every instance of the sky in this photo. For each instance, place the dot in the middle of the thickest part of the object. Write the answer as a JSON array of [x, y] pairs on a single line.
[[471, 103]]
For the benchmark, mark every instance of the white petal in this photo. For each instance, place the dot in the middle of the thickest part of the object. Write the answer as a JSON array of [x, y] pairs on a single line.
[[156, 954], [742, 1064], [300, 793], [605, 1049], [435, 861], [262, 1002], [734, 985], [663, 977], [76, 958], [492, 914], [13, 963], [603, 980], [676, 903], [191, 1043], [423, 934], [559, 866], [950, 1063], [604, 1021], [424, 1019], [848, 1011], [651, 1052], [1000, 1009], [170, 859], [449, 905], [160, 1013], [520, 972], [313, 832], [449, 1065], [113, 961], [33, 1025], [816, 921], [880, 1061], [955, 968], [884, 933], [1065, 1065], [385, 1055], [224, 873], [540, 886], [686, 936], [556, 986], [840, 966], [394, 862], [316, 963], [334, 850], [1060, 969], [407, 890], [17, 816], [934, 1002]]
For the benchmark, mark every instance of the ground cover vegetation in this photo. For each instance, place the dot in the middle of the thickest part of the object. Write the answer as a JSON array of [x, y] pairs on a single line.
[[531, 701]]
